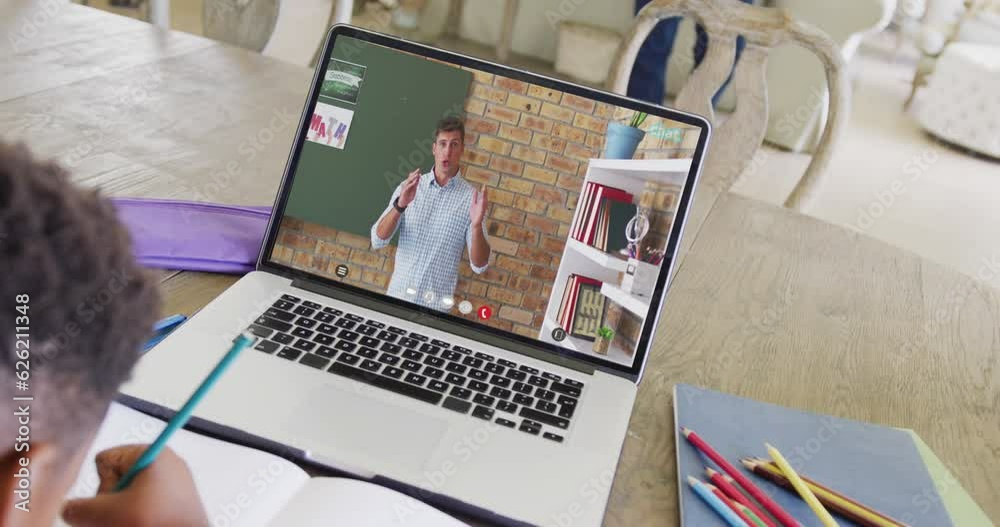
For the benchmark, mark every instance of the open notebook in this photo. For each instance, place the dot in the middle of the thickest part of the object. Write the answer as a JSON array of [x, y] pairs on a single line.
[[243, 487]]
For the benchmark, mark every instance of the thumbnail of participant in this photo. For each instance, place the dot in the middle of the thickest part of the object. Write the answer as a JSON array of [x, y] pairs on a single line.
[[438, 215]]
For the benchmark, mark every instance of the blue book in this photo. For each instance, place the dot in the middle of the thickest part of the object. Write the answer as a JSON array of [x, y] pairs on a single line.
[[878, 466]]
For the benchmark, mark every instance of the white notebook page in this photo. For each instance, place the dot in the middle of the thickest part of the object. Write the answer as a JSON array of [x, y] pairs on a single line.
[[239, 486], [339, 501]]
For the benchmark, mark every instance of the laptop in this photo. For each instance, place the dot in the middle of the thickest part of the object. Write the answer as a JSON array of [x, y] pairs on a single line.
[[451, 245]]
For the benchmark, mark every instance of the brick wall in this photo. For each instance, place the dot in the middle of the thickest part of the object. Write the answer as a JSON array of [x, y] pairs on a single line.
[[319, 249], [530, 145]]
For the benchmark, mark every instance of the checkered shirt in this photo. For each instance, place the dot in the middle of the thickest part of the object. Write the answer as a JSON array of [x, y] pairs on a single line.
[[433, 232]]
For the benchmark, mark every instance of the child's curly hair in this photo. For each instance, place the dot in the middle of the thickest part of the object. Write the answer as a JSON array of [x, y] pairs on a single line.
[[75, 306]]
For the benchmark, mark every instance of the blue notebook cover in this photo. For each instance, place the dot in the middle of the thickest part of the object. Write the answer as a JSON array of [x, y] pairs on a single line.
[[875, 465]]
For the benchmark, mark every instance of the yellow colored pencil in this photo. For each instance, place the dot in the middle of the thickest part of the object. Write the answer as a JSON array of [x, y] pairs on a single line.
[[801, 487], [827, 496]]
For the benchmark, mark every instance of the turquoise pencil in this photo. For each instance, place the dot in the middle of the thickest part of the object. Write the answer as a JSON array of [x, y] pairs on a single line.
[[717, 505], [184, 414]]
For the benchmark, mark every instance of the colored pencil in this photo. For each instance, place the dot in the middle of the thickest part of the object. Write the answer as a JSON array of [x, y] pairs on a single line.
[[838, 503], [846, 499], [801, 487], [734, 494], [757, 521], [715, 503], [184, 414], [774, 475], [731, 504], [779, 514], [163, 328]]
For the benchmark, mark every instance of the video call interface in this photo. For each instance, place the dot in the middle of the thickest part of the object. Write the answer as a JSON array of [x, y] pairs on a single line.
[[513, 205]]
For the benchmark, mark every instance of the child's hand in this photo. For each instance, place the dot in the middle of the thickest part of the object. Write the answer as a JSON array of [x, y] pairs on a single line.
[[163, 494]]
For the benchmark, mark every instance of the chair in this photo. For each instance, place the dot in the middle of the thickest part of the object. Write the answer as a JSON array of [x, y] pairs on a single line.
[[736, 139], [953, 21], [244, 23], [292, 31], [454, 21], [795, 77]]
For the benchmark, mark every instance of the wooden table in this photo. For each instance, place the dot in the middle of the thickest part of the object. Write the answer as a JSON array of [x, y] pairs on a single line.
[[159, 12], [768, 304]]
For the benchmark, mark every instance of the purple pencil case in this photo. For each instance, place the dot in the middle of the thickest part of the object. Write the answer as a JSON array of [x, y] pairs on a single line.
[[192, 236]]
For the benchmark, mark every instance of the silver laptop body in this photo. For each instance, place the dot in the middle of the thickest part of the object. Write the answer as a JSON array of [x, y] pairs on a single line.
[[506, 467]]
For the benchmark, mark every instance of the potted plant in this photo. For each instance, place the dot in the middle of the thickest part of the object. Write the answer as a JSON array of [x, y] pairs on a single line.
[[603, 340], [623, 139]]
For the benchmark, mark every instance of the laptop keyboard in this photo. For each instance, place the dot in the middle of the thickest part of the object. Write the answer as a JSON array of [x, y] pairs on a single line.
[[434, 371]]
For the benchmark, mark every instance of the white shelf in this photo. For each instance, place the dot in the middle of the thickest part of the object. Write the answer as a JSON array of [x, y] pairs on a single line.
[[615, 352], [636, 304], [643, 165], [596, 255], [631, 175]]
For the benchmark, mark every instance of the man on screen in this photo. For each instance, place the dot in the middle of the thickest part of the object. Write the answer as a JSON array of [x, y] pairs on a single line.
[[438, 215]]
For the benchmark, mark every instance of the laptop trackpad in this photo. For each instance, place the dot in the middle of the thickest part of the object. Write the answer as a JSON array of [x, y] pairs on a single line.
[[345, 426]]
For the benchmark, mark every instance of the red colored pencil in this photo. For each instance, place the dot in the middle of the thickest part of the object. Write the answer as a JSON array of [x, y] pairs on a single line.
[[729, 503], [769, 504], [734, 494]]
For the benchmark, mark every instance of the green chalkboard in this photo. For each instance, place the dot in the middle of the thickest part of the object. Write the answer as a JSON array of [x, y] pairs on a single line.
[[400, 99]]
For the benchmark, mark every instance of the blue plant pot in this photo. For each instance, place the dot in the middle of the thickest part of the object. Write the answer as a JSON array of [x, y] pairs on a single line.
[[622, 140]]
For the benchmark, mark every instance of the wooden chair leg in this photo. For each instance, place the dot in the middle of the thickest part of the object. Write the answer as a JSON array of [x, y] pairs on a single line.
[[507, 30], [454, 20], [824, 48]]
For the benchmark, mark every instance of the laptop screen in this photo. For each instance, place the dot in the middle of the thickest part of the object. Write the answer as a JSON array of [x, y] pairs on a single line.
[[513, 205]]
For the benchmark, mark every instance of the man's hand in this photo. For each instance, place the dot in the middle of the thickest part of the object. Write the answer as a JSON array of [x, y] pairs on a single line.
[[477, 212], [409, 191], [479, 250], [386, 226], [161, 495]]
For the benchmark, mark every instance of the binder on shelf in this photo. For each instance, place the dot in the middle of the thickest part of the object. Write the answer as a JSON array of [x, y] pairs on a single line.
[[583, 205], [598, 205], [568, 307], [611, 222], [567, 291], [566, 310], [600, 195], [601, 234]]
